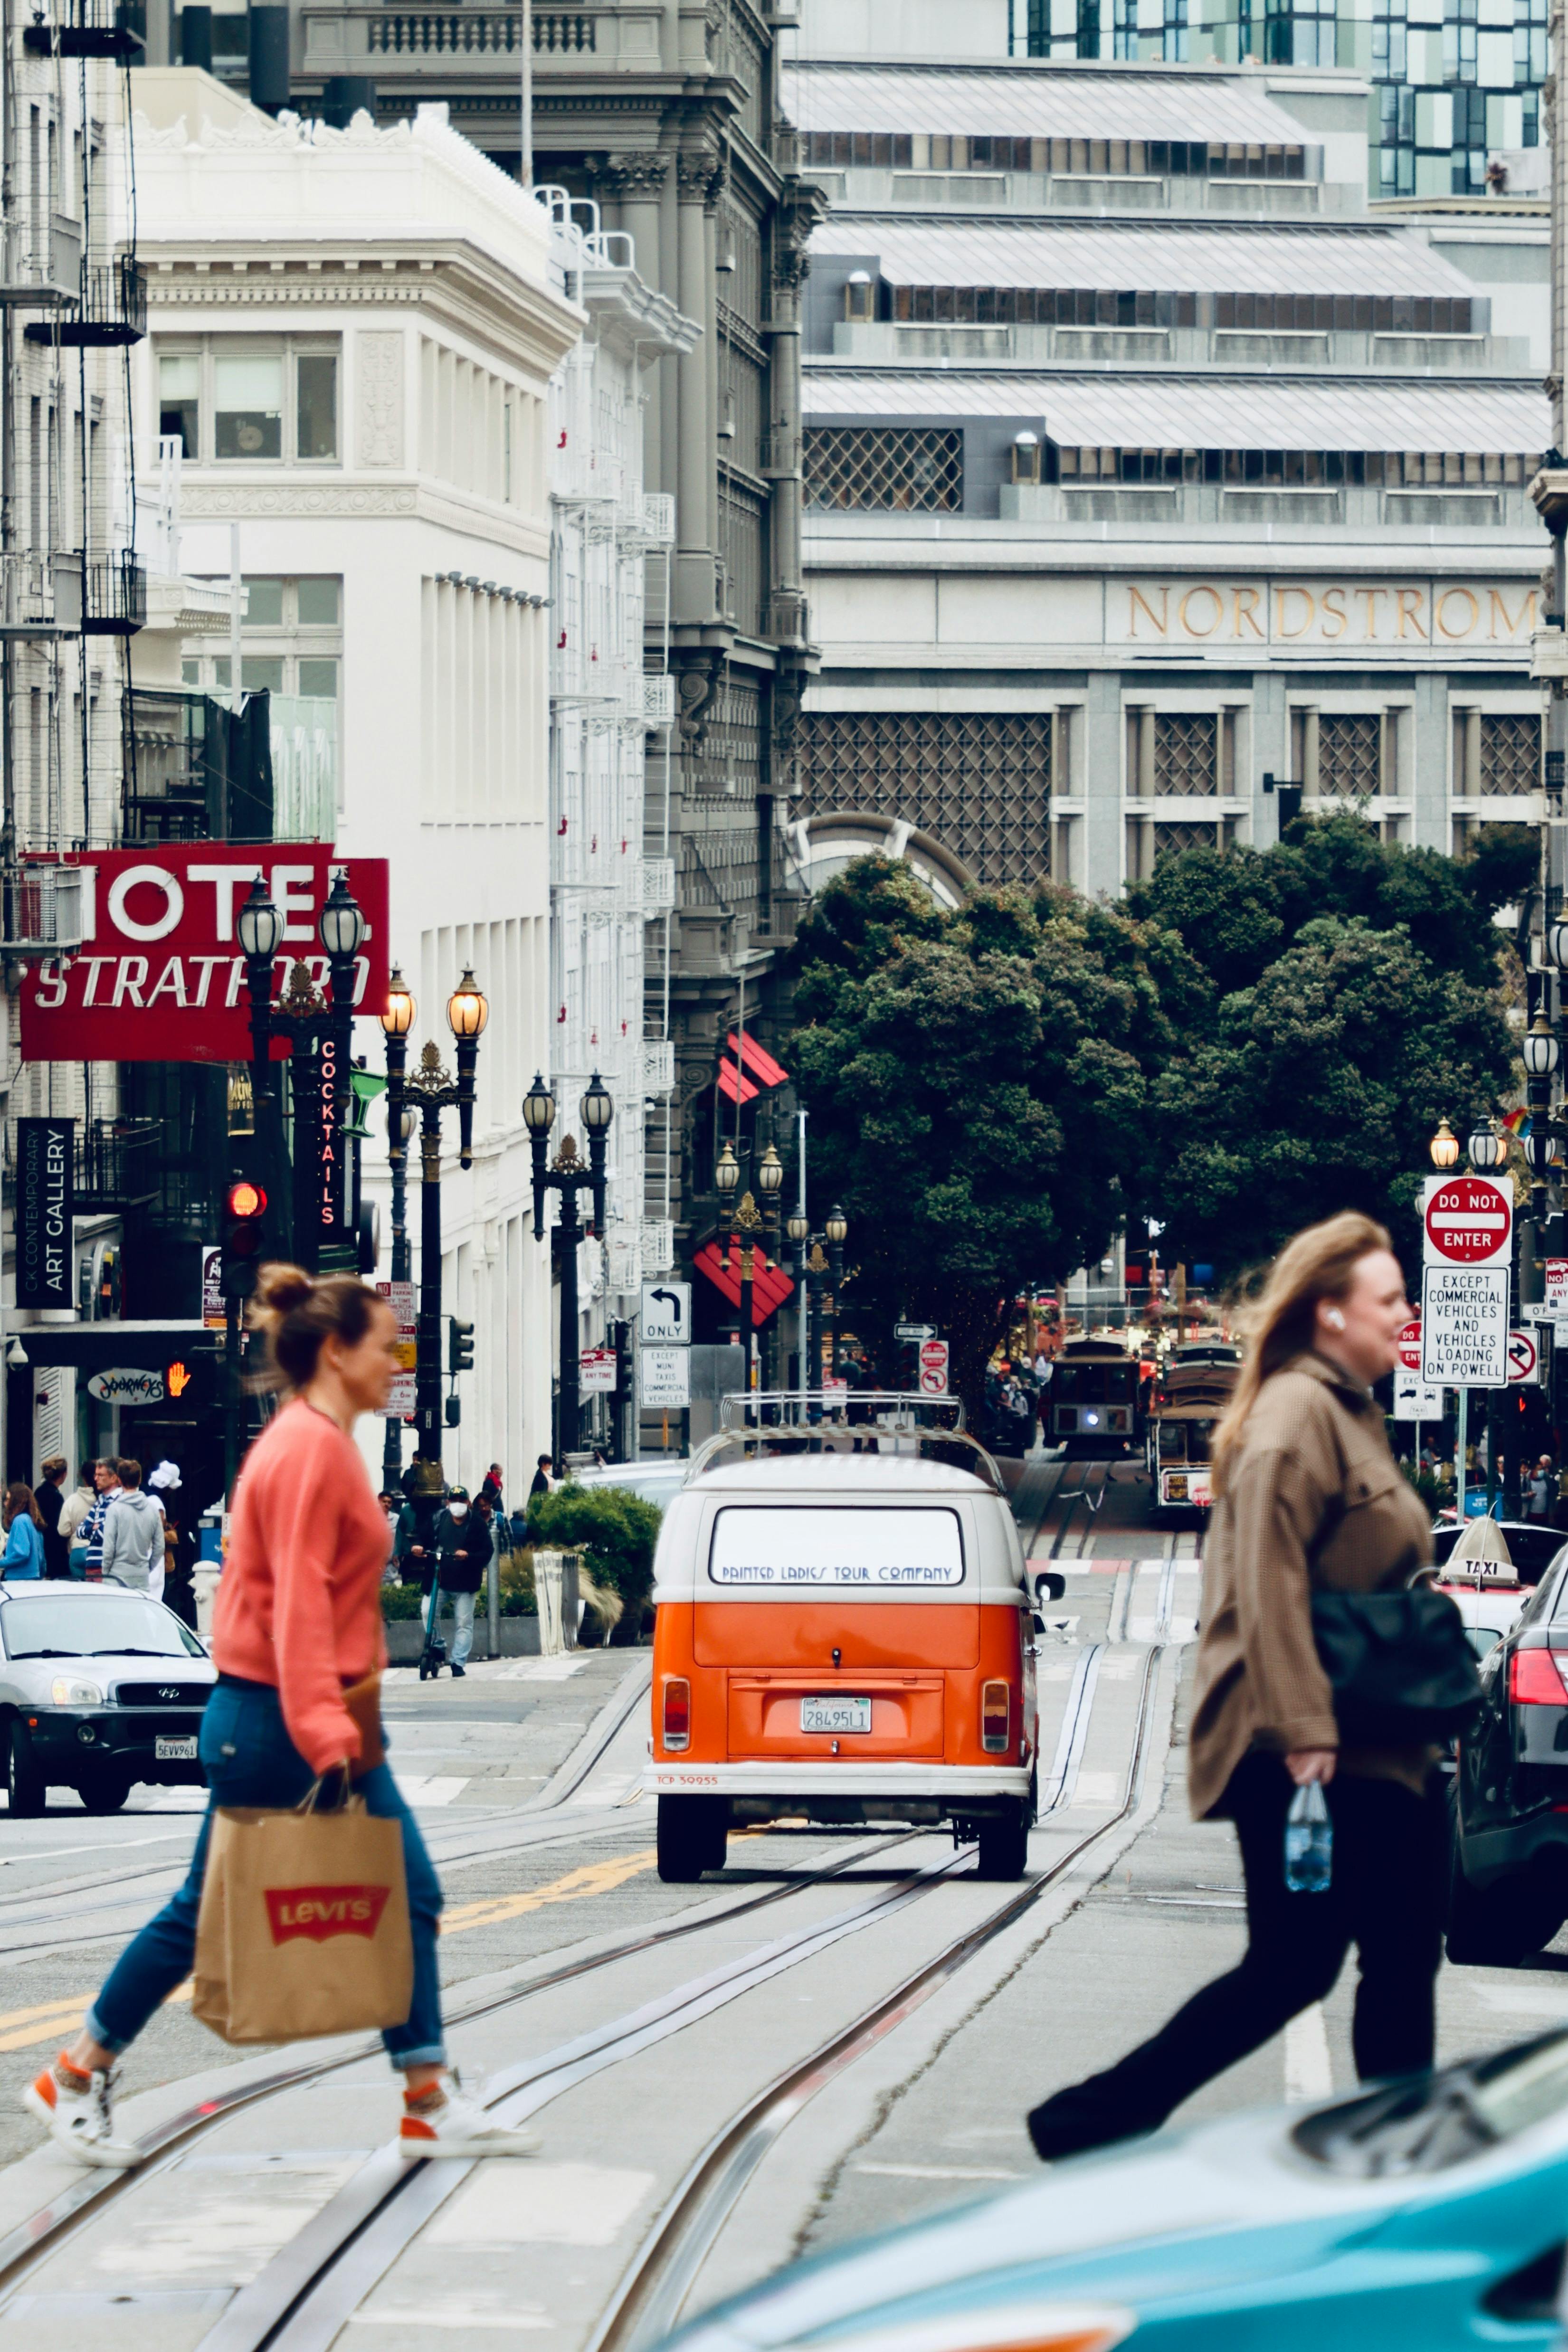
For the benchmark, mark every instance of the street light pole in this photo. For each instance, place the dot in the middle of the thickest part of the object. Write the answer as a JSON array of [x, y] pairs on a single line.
[[569, 1177], [431, 1091], [770, 1182], [836, 1229], [402, 1012]]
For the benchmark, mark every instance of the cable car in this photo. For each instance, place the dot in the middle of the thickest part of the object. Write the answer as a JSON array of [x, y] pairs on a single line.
[[1192, 1396], [843, 1631], [1094, 1401]]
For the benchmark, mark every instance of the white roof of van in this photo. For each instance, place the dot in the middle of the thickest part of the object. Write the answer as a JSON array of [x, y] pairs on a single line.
[[832, 1475]]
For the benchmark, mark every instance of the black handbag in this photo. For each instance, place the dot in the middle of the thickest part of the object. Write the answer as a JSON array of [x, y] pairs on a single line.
[[1400, 1667]]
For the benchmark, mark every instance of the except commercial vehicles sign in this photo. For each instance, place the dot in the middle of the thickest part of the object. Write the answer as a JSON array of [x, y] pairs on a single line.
[[46, 1203], [664, 1378], [160, 976], [1469, 1221], [1464, 1326]]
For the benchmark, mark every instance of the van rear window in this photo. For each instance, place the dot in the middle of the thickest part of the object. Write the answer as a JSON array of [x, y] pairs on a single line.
[[819, 1546]]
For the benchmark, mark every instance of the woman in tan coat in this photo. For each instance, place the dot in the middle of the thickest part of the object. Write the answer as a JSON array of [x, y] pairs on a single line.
[[1306, 1494]]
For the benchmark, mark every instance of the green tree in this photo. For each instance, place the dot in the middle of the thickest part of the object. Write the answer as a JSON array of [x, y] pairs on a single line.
[[978, 1084], [1315, 1089], [618, 1530]]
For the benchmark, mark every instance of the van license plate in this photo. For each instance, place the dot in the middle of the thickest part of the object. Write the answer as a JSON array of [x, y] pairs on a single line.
[[175, 1752], [836, 1715]]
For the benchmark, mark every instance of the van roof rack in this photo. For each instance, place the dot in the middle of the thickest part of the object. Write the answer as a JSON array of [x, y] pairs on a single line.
[[891, 1426]]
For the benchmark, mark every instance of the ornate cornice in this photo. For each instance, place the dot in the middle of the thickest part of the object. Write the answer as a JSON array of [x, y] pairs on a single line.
[[211, 502], [700, 175]]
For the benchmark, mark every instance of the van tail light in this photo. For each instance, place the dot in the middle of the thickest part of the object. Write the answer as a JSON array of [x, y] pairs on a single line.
[[1535, 1679], [996, 1711], [677, 1712]]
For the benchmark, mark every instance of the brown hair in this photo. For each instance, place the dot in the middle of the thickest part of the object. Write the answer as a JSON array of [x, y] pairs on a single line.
[[297, 1312], [1321, 1263], [19, 1503], [53, 1467], [128, 1471]]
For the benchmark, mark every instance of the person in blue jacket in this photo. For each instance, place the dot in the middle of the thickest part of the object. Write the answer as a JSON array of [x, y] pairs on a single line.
[[24, 1553]]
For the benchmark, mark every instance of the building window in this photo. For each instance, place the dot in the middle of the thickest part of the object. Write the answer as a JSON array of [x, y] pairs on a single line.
[[876, 466], [1349, 755], [1496, 753], [1186, 750], [979, 782], [291, 643], [241, 400]]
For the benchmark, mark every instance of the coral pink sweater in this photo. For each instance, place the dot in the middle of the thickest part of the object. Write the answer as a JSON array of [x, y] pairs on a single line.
[[299, 1604]]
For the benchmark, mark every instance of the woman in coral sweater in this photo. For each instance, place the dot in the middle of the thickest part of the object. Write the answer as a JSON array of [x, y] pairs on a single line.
[[297, 1624]]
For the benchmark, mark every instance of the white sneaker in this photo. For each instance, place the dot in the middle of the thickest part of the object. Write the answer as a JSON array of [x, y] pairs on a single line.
[[78, 2111], [460, 2125]]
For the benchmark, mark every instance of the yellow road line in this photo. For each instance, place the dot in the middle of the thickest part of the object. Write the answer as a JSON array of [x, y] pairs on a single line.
[[34, 2028]]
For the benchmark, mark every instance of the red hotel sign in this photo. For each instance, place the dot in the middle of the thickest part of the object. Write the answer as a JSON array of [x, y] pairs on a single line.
[[159, 977]]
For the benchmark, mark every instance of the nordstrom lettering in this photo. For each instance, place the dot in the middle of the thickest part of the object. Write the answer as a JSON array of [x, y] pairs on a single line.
[[1327, 617]]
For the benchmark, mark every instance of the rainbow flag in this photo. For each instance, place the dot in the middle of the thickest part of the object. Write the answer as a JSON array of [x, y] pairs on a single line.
[[1518, 1122]]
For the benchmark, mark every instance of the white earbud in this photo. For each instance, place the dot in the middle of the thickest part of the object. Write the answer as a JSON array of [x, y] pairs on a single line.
[[1334, 1319]]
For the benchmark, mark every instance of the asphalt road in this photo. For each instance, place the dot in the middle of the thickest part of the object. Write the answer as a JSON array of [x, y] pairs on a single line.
[[773, 1959]]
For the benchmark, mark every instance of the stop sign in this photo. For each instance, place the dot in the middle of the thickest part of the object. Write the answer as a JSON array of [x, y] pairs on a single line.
[[1469, 1221], [1410, 1346]]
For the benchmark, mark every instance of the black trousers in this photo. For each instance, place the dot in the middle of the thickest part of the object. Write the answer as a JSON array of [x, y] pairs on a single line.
[[1386, 1898]]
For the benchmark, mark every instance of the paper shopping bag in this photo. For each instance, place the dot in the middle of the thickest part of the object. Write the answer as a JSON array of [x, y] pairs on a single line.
[[303, 1928]]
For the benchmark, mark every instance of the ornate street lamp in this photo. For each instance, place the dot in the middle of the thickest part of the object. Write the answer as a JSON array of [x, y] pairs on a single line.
[[770, 1183], [1487, 1149], [1444, 1148], [836, 1229], [569, 1177]]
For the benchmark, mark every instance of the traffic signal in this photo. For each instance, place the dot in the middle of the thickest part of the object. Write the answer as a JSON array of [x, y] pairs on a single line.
[[454, 1410], [460, 1347], [244, 1237]]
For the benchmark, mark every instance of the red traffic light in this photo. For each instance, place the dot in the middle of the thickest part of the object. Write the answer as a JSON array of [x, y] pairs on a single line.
[[246, 1200]]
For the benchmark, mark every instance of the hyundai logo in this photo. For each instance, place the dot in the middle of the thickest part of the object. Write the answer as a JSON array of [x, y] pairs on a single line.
[[168, 1694]]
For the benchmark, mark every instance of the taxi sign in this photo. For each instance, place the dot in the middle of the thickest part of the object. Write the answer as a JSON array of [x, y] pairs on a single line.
[[1410, 1346], [1469, 1221]]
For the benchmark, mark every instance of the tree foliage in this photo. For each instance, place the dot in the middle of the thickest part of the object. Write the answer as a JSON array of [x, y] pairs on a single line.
[[1247, 1042], [617, 1529], [978, 1084]]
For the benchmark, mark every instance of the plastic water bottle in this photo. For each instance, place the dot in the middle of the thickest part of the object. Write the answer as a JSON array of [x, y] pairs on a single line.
[[1309, 1842]]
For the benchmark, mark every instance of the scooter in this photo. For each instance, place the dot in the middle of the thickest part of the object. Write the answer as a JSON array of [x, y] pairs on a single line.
[[1425, 2215], [433, 1656]]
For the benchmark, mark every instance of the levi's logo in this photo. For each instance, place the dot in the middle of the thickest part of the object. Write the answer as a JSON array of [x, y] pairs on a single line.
[[319, 1912]]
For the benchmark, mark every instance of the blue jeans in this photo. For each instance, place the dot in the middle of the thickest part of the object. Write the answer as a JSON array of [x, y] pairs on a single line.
[[250, 1760], [462, 1626]]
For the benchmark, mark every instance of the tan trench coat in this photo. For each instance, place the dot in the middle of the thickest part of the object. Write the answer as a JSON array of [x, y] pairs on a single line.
[[1313, 1494]]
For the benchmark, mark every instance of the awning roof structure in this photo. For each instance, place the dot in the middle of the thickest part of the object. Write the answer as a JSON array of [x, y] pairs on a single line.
[[770, 1285], [1193, 412], [1176, 257], [1039, 101]]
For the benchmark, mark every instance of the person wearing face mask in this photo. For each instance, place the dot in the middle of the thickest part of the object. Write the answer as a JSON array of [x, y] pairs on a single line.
[[463, 1546], [1307, 1501]]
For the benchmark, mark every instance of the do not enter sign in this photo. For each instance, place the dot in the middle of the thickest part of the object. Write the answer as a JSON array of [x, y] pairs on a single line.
[[1469, 1221], [1410, 1346]]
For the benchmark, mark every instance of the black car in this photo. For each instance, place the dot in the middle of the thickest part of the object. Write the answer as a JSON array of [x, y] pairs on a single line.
[[1509, 1887]]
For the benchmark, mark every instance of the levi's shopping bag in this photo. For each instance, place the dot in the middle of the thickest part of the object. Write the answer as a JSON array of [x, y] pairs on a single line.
[[303, 1927]]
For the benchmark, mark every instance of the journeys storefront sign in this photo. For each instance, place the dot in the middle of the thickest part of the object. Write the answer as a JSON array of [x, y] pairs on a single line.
[[1393, 617], [159, 977]]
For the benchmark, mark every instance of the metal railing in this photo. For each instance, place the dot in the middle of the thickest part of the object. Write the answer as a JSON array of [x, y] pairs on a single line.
[[474, 33], [114, 599], [42, 909]]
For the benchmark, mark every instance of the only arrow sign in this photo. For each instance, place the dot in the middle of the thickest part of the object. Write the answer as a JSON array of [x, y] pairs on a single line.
[[665, 1320]]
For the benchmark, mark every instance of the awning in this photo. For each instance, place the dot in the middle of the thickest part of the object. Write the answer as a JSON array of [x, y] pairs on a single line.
[[734, 1082], [751, 1056], [770, 1285]]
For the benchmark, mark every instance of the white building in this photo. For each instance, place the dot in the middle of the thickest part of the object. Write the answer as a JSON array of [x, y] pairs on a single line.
[[611, 870], [351, 336]]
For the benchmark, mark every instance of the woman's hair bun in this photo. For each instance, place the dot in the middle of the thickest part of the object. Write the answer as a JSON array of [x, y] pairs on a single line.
[[279, 1290]]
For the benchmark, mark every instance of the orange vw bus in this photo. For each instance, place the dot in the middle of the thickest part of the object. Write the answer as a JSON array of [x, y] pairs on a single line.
[[844, 1633]]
